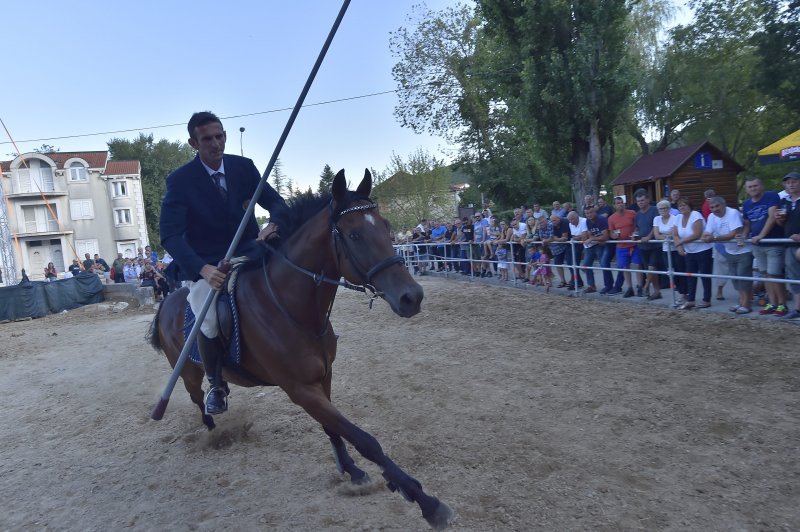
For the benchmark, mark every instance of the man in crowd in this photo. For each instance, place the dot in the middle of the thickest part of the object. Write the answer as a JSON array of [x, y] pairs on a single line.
[[788, 216], [650, 253], [88, 262], [759, 223], [706, 209], [674, 196], [558, 210], [622, 224], [438, 234], [119, 266], [558, 246], [725, 225], [594, 248], [603, 208], [538, 212]]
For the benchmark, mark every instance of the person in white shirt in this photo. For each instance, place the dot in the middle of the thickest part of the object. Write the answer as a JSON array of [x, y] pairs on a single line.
[[726, 225], [578, 231]]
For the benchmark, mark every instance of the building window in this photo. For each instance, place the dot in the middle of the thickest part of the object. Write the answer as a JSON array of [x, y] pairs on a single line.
[[39, 218], [122, 217], [119, 189], [38, 177], [77, 172], [81, 209]]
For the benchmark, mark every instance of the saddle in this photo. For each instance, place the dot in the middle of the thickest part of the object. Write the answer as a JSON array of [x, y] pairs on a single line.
[[228, 321]]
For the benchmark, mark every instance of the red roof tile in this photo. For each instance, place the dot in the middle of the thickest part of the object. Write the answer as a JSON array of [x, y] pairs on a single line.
[[123, 168], [96, 159]]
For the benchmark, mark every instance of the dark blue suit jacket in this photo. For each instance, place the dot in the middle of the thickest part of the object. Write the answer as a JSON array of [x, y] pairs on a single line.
[[197, 226]]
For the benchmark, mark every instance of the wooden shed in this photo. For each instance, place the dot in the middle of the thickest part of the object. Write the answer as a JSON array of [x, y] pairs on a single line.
[[691, 169]]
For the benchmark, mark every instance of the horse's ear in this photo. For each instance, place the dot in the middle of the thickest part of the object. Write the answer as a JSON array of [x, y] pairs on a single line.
[[339, 188], [366, 184]]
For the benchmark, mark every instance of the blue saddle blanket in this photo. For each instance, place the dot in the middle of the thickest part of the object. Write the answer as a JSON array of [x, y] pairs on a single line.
[[234, 348]]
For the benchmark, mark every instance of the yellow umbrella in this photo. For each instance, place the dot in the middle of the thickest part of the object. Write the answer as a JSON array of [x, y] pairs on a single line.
[[782, 151]]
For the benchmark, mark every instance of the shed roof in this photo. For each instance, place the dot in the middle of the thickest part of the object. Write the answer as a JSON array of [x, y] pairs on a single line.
[[664, 164]]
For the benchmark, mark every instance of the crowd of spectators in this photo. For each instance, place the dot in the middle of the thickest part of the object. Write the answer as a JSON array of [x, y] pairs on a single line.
[[642, 239], [146, 269]]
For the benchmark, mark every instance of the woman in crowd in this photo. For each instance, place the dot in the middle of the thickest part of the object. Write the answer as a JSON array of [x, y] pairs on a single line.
[[697, 254], [662, 230], [492, 234], [50, 273], [529, 240]]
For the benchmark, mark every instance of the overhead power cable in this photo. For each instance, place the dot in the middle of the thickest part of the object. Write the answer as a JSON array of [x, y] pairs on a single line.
[[131, 130]]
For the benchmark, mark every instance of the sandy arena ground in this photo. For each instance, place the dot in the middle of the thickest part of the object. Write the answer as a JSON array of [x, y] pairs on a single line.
[[522, 411]]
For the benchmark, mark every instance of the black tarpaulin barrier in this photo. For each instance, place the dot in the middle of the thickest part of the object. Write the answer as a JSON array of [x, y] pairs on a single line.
[[34, 299]]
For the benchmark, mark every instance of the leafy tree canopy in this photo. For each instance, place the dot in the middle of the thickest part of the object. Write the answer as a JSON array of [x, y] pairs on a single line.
[[158, 159]]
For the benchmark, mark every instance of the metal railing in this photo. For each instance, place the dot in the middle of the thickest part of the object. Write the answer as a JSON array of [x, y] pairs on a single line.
[[421, 255]]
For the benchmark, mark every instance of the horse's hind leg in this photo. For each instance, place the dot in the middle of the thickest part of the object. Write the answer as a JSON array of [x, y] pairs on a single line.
[[313, 400]]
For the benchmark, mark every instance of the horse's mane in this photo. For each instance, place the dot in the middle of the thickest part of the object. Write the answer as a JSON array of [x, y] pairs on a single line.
[[303, 207]]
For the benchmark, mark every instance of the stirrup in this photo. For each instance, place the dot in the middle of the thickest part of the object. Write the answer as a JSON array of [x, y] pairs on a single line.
[[216, 409]]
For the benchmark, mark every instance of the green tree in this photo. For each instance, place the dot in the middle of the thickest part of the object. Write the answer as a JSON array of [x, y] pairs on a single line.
[[717, 63], [158, 159], [567, 81], [325, 180], [278, 177], [415, 188], [778, 48]]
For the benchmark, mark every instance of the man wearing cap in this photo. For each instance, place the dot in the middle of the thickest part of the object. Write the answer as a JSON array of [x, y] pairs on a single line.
[[788, 216]]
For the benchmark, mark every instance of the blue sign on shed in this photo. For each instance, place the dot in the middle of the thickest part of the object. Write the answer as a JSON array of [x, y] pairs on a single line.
[[703, 160]]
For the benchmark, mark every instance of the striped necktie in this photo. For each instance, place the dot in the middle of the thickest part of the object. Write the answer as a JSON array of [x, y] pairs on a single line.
[[216, 176]]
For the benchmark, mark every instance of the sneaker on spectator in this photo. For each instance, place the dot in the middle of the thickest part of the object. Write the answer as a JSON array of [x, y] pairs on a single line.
[[639, 291], [614, 291], [628, 293], [793, 315], [768, 309], [781, 311]]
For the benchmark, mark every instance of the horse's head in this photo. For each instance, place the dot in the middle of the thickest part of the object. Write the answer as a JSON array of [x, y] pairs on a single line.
[[364, 249]]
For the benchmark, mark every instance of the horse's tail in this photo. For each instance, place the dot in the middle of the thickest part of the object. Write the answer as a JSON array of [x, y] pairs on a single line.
[[152, 335]]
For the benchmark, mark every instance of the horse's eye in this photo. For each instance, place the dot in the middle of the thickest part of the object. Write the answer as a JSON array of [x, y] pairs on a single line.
[[355, 236]]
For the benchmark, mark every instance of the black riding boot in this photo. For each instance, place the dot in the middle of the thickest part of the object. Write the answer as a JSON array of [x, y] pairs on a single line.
[[211, 352]]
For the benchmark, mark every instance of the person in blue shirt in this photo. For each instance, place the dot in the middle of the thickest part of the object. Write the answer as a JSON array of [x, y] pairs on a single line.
[[759, 223]]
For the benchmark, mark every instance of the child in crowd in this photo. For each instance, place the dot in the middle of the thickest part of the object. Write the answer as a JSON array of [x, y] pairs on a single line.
[[534, 253], [502, 262], [543, 275]]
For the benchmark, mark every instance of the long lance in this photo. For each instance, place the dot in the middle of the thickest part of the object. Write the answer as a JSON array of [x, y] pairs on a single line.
[[161, 405]]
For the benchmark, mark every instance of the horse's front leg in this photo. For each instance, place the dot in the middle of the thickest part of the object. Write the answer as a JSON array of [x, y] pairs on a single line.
[[313, 400], [344, 463]]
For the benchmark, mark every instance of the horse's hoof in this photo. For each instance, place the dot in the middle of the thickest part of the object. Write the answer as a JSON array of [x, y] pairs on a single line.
[[208, 421], [361, 480], [441, 517]]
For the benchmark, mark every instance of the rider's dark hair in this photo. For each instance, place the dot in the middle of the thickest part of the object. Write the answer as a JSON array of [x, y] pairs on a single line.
[[200, 119]]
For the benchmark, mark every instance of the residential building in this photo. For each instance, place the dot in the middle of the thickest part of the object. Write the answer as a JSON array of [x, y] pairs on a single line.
[[62, 205]]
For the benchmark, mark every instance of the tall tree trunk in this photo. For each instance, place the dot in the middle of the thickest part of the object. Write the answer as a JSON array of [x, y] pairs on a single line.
[[587, 165]]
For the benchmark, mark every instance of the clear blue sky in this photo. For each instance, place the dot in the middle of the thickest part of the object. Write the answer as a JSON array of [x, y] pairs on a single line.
[[88, 67]]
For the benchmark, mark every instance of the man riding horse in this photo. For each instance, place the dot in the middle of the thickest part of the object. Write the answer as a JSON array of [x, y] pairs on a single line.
[[202, 209]]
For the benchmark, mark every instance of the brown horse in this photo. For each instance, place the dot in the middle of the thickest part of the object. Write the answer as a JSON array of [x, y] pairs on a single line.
[[286, 336]]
